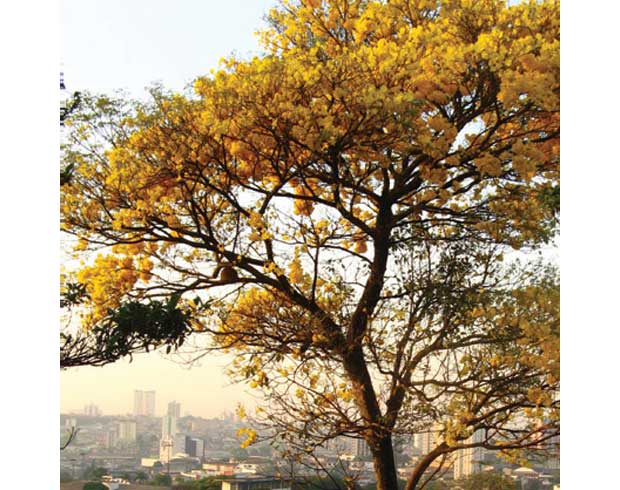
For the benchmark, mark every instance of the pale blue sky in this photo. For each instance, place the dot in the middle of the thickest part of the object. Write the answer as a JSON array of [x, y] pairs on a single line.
[[109, 44], [113, 44]]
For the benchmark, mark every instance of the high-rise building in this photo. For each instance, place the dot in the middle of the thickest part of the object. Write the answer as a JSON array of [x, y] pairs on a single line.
[[170, 446], [149, 403], [170, 443], [168, 426], [194, 447], [92, 410], [109, 438], [127, 430], [361, 448], [339, 445], [174, 409], [144, 403], [138, 402], [426, 441], [469, 461]]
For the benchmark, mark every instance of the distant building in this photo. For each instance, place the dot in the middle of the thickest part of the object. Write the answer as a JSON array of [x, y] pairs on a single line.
[[138, 402], [181, 464], [149, 403], [127, 430], [92, 410], [170, 443], [174, 409], [339, 445], [361, 448], [469, 461], [172, 447], [194, 447], [553, 461], [111, 438], [250, 468], [428, 440], [168, 426], [144, 403], [219, 468], [149, 462]]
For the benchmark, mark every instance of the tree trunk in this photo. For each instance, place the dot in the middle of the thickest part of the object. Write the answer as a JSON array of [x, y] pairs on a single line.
[[385, 467]]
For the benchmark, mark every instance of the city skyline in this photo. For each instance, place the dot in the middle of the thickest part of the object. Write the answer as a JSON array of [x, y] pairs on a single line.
[[205, 389]]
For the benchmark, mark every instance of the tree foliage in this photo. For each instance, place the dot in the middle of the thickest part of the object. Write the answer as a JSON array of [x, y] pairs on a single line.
[[94, 486], [487, 481], [338, 213], [130, 328], [67, 108], [161, 480]]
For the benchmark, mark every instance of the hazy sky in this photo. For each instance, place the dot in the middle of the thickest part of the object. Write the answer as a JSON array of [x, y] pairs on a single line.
[[109, 44], [114, 44]]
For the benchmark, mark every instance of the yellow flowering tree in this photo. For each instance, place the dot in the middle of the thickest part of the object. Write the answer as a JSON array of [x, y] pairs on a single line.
[[335, 212]]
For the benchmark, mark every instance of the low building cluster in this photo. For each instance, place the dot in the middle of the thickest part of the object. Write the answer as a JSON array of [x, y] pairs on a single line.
[[143, 447]]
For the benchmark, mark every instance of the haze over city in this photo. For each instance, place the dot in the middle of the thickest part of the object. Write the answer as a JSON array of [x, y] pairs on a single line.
[[204, 390]]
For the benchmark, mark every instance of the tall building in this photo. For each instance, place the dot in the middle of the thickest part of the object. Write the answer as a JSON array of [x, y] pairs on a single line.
[[92, 410], [170, 446], [168, 426], [149, 403], [469, 461], [194, 447], [339, 445], [170, 443], [174, 409], [138, 402], [127, 430], [426, 441], [144, 403], [110, 438], [361, 448]]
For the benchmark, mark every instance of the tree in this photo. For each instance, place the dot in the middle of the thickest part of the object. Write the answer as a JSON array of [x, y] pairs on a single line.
[[94, 486], [68, 105], [141, 476], [340, 212], [486, 481], [162, 480], [132, 327]]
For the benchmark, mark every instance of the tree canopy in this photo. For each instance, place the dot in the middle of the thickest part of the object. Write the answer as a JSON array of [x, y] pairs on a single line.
[[339, 213]]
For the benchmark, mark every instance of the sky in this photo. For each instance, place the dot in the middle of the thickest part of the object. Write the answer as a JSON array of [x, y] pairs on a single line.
[[112, 44], [119, 44]]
